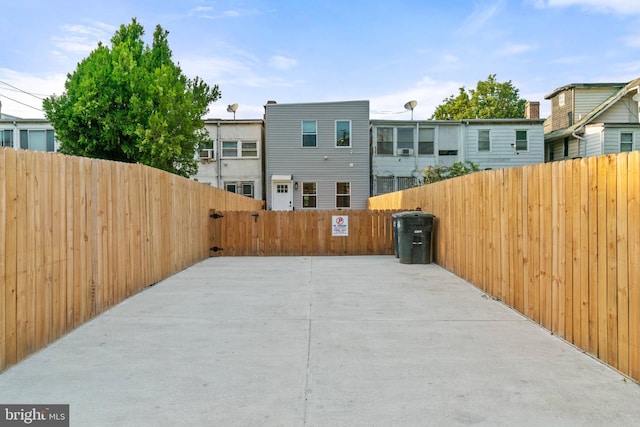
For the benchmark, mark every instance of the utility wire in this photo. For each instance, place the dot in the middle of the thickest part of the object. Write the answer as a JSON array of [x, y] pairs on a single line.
[[23, 91], [26, 105]]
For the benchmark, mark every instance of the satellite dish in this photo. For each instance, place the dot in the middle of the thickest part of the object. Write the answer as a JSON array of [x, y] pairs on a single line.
[[410, 106], [232, 108], [636, 97]]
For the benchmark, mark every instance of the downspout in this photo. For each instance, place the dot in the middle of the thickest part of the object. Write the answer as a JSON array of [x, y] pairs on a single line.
[[219, 155], [580, 139]]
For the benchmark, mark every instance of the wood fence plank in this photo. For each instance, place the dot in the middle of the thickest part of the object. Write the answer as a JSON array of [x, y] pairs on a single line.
[[584, 257], [622, 262], [3, 258], [557, 239], [612, 266], [27, 293], [570, 255], [594, 265], [10, 302], [602, 258], [546, 241], [633, 213]]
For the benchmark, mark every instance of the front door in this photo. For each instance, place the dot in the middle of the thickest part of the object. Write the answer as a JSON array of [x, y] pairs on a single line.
[[282, 196]]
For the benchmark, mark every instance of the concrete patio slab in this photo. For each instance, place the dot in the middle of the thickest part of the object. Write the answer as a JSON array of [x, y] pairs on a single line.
[[319, 341]]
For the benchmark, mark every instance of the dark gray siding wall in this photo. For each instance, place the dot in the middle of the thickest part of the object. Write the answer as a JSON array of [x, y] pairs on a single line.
[[286, 156]]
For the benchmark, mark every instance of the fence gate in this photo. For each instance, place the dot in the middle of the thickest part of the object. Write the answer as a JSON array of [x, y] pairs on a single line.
[[297, 233]]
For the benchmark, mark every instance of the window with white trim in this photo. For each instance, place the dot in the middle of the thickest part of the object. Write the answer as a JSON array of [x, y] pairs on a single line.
[[37, 140], [244, 188], [626, 141], [6, 138], [309, 134], [309, 195], [384, 141], [521, 140], [343, 133], [484, 140], [243, 149], [343, 194], [405, 138], [426, 137]]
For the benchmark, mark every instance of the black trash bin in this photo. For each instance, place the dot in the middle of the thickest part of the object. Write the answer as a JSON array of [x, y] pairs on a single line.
[[414, 237]]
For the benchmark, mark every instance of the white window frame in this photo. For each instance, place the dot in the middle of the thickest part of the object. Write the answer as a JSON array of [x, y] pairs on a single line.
[[303, 134], [314, 195], [4, 140], [632, 142], [239, 149], [343, 194], [561, 100], [488, 133], [239, 185], [336, 134], [378, 141], [515, 145], [432, 141], [413, 138]]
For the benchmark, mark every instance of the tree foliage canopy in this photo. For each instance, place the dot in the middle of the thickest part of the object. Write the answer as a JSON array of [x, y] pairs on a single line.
[[489, 100], [132, 103], [439, 173]]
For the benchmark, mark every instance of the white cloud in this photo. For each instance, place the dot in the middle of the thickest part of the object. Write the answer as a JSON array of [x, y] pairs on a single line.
[[82, 39], [428, 92], [41, 86], [282, 62], [624, 7], [516, 48], [481, 14]]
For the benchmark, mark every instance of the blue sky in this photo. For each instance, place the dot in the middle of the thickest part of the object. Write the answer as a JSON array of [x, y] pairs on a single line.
[[388, 52]]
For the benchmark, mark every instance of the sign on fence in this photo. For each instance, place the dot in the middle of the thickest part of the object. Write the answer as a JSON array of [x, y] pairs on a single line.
[[339, 225]]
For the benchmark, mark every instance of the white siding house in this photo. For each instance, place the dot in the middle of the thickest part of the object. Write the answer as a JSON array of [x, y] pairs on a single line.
[[27, 134], [403, 149], [317, 155], [591, 119], [233, 158]]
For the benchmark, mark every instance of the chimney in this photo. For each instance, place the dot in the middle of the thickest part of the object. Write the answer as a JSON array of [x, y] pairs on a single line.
[[532, 110]]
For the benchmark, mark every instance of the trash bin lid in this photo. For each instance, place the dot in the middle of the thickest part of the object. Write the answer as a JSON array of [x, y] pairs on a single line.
[[414, 214]]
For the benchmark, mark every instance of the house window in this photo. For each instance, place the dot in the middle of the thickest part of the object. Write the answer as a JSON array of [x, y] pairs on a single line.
[[6, 138], [343, 134], [249, 149], [425, 141], [561, 100], [37, 140], [282, 188], [626, 141], [521, 140], [384, 184], [343, 194], [231, 149], [565, 148], [405, 140], [484, 140], [309, 195], [405, 182], [448, 152], [384, 140], [244, 188], [309, 134]]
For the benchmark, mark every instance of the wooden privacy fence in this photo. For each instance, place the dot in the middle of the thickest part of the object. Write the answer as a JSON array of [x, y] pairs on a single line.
[[79, 235], [292, 233], [559, 242]]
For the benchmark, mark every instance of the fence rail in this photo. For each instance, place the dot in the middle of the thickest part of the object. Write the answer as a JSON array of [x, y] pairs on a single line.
[[79, 235], [296, 233], [559, 242]]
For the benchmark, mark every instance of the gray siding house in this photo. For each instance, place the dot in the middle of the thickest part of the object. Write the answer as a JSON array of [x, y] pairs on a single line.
[[27, 134], [403, 149], [591, 119], [317, 155]]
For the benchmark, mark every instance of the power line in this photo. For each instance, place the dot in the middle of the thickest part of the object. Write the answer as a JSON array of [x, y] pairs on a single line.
[[26, 105], [20, 90]]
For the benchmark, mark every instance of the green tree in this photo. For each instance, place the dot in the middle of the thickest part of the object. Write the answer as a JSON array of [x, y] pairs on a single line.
[[489, 100], [132, 103], [439, 173]]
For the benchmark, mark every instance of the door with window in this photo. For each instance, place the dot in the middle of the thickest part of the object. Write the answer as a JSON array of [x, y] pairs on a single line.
[[282, 196]]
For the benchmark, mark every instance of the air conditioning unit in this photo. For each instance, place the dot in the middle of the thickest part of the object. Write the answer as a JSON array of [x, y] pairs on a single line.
[[207, 154], [405, 151]]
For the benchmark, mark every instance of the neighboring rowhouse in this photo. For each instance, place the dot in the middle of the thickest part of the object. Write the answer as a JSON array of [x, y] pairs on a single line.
[[317, 155], [232, 159], [590, 119], [27, 134], [403, 149]]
